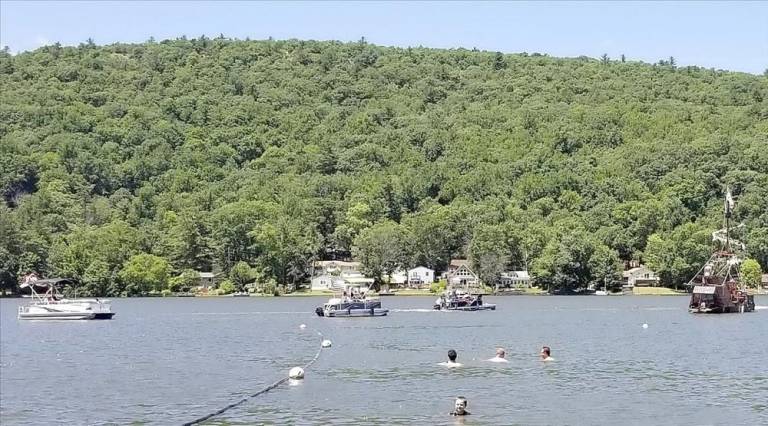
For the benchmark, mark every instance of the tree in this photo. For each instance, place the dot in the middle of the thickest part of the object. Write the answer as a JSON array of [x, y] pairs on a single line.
[[623, 58], [382, 249], [499, 63], [488, 253], [144, 273], [604, 266], [184, 282], [751, 273], [240, 275], [226, 287], [677, 255], [565, 262], [285, 246], [605, 59]]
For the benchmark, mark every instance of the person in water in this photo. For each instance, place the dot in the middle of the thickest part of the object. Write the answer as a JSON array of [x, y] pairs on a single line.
[[460, 407], [500, 354], [451, 360], [546, 354]]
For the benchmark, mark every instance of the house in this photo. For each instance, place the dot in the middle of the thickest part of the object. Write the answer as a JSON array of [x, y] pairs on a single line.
[[397, 278], [335, 275], [327, 282], [764, 280], [640, 276], [420, 276], [459, 273], [334, 267], [514, 279], [208, 280]]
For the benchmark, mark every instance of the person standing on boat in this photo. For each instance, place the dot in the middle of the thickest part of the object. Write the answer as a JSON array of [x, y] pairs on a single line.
[[451, 360], [500, 356]]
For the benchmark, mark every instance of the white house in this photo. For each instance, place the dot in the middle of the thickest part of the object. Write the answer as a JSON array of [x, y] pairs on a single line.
[[335, 267], [397, 278], [420, 276], [513, 279], [335, 275], [459, 273], [640, 276]]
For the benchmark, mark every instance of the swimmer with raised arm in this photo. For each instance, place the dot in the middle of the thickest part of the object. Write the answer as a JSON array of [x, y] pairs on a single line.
[[451, 360], [500, 356]]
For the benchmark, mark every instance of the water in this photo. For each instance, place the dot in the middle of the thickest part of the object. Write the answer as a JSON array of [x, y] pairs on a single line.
[[167, 361]]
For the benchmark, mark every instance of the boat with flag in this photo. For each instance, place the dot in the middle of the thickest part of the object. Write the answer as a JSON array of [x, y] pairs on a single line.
[[716, 287]]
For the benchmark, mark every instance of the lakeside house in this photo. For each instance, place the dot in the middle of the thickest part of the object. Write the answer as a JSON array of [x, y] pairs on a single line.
[[640, 276], [459, 274], [420, 276], [514, 279], [208, 280], [764, 281], [336, 274], [397, 278]]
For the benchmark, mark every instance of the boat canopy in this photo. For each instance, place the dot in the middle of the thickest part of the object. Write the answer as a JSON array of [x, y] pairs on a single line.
[[46, 283], [704, 289]]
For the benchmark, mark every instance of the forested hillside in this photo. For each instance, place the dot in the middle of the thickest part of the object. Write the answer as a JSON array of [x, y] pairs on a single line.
[[126, 165]]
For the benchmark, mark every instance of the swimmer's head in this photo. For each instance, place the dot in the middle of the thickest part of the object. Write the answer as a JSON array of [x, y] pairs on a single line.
[[545, 351], [452, 355], [460, 405], [500, 353]]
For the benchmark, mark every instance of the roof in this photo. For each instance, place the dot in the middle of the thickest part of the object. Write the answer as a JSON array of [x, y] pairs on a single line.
[[325, 263], [48, 282], [209, 274], [629, 272], [358, 280], [516, 274], [421, 268], [459, 262]]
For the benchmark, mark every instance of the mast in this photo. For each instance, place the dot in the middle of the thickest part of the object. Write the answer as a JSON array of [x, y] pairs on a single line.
[[728, 211]]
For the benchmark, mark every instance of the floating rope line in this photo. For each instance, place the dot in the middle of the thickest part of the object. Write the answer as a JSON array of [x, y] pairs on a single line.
[[263, 391]]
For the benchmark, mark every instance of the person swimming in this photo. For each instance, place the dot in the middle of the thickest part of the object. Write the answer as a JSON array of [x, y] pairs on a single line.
[[546, 354], [500, 354], [460, 407], [451, 360]]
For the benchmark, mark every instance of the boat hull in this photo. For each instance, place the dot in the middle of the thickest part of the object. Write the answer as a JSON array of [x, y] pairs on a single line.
[[466, 308], [56, 316], [77, 309], [357, 313]]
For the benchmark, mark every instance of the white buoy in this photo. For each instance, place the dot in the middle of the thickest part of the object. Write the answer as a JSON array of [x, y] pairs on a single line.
[[645, 325], [296, 373], [303, 326], [326, 343]]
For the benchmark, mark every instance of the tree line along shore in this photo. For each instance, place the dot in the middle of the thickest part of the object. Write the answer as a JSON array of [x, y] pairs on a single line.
[[129, 167]]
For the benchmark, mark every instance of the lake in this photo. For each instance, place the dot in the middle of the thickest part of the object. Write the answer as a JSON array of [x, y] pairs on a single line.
[[172, 360]]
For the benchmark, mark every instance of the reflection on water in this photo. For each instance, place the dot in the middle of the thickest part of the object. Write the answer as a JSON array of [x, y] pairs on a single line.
[[164, 361]]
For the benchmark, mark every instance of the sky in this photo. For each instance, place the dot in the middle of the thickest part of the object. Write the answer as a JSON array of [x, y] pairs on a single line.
[[724, 35]]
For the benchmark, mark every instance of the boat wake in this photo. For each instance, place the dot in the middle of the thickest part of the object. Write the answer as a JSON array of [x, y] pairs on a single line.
[[415, 310], [760, 308], [243, 313]]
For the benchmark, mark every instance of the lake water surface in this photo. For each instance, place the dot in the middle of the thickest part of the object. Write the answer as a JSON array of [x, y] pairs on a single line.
[[168, 361]]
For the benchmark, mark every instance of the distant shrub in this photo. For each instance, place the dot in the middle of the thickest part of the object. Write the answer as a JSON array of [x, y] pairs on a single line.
[[226, 287], [438, 287], [270, 288]]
